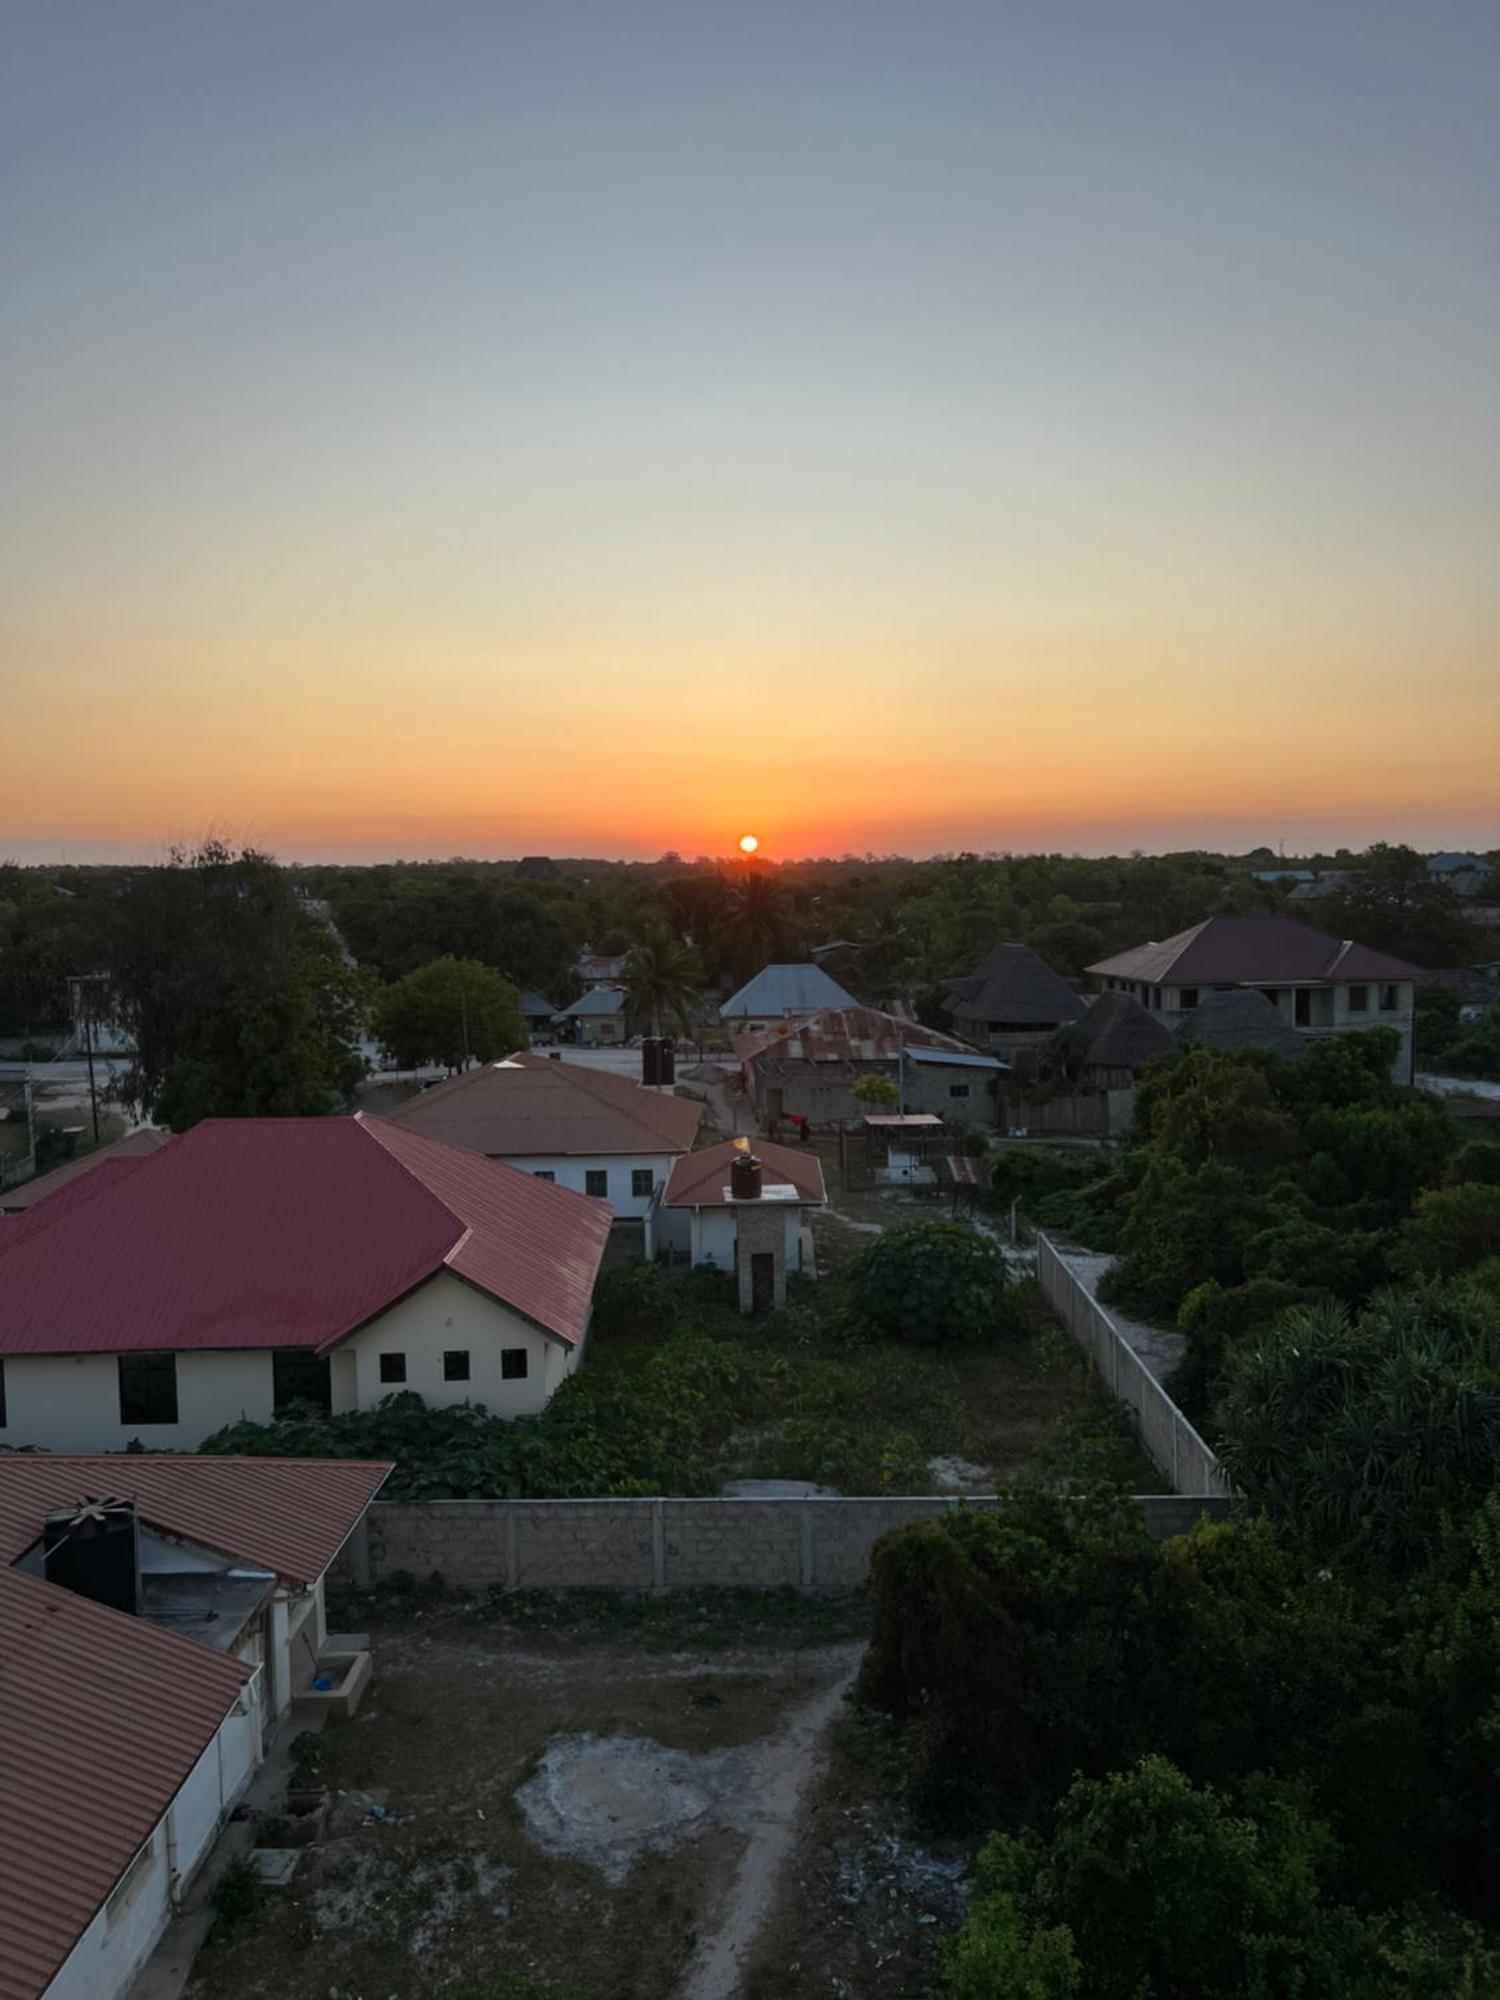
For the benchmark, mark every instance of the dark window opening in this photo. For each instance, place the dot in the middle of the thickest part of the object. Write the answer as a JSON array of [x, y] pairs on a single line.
[[148, 1388], [1359, 999], [393, 1367], [1187, 996], [596, 1181], [542, 1174], [641, 1183], [301, 1378], [513, 1364], [456, 1364], [1304, 1006], [1390, 999], [958, 1090]]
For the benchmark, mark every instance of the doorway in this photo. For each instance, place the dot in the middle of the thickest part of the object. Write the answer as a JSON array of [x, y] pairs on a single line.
[[762, 1280]]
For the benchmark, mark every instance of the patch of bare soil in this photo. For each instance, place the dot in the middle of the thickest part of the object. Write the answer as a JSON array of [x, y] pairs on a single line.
[[866, 1902], [593, 1820]]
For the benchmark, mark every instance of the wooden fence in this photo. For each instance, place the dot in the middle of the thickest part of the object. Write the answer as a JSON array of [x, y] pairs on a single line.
[[1169, 1440]]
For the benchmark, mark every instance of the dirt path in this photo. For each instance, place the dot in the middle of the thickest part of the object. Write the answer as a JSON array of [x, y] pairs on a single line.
[[785, 1770]]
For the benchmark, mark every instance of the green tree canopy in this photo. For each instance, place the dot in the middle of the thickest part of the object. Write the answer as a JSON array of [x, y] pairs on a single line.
[[453, 1011], [930, 1281], [237, 995]]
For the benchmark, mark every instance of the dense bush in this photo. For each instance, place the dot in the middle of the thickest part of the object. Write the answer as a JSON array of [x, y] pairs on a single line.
[[930, 1281], [1363, 1431], [1149, 1888], [1452, 1228]]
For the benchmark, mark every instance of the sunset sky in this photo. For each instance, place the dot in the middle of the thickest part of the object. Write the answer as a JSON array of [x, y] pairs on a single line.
[[600, 428]]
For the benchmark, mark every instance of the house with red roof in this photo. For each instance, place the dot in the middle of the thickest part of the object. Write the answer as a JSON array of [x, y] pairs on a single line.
[[743, 1207], [254, 1263], [159, 1616]]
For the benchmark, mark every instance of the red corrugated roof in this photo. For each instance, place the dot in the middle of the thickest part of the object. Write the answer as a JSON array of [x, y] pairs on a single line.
[[290, 1515], [102, 1717], [288, 1232], [699, 1180], [134, 1146]]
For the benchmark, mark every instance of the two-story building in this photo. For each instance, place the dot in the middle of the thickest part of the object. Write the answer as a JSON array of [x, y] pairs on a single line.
[[1318, 985], [587, 1129]]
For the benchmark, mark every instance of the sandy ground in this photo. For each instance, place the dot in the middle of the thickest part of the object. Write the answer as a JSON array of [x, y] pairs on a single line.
[[1160, 1349]]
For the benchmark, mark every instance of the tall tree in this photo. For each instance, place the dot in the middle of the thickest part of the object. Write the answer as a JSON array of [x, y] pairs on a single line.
[[453, 1011], [662, 983], [238, 997]]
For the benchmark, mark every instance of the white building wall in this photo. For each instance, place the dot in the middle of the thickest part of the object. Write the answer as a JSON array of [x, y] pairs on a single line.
[[71, 1402], [446, 1313], [713, 1235], [569, 1170], [106, 1959]]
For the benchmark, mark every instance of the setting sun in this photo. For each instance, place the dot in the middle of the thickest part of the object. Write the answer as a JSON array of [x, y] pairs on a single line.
[[748, 843]]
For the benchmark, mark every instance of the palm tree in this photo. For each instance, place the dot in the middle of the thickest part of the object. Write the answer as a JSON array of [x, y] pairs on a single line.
[[662, 983], [758, 926]]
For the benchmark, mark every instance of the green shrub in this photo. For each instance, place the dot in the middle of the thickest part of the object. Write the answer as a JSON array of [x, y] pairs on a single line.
[[930, 1281], [1451, 1228]]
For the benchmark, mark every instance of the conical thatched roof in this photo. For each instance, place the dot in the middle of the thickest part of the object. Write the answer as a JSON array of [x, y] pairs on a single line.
[[1119, 1033], [1243, 1019], [1013, 984]]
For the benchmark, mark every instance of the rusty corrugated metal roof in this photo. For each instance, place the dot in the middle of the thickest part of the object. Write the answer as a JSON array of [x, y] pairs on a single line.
[[102, 1717], [846, 1034], [290, 1515]]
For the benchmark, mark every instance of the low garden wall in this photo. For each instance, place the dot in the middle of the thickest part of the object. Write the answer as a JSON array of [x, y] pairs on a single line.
[[1169, 1440], [769, 1544]]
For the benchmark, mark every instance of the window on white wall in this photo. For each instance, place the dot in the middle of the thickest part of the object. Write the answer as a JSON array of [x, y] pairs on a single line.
[[641, 1183], [514, 1364], [148, 1388], [393, 1367], [543, 1174], [456, 1364], [596, 1182]]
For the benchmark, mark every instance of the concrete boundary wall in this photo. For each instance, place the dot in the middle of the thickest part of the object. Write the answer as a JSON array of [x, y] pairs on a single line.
[[663, 1545], [1170, 1441]]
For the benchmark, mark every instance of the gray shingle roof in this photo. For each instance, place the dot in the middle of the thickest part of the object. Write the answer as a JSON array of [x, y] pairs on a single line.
[[1258, 951], [1013, 984], [785, 989]]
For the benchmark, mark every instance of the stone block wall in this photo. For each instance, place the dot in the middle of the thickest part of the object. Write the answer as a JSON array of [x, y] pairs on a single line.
[[815, 1545]]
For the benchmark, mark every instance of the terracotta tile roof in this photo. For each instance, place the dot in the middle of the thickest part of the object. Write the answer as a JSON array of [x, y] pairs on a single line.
[[1251, 951], [845, 1034], [699, 1180], [290, 1515], [786, 989], [102, 1717], [134, 1146], [1013, 985], [529, 1105], [288, 1232]]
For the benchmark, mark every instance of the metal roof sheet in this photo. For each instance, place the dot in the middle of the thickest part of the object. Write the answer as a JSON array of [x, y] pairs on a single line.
[[290, 1515], [699, 1180], [786, 989], [599, 1000], [529, 1104], [1253, 951], [846, 1034], [953, 1058], [134, 1146], [287, 1232], [102, 1717]]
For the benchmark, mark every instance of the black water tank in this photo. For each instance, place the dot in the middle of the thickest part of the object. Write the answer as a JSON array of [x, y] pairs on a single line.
[[651, 1052], [744, 1177], [94, 1549]]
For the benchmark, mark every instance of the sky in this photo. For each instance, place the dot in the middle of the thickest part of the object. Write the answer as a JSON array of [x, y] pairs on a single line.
[[484, 429]]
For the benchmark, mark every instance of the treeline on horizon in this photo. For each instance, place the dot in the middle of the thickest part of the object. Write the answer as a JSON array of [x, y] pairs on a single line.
[[885, 926]]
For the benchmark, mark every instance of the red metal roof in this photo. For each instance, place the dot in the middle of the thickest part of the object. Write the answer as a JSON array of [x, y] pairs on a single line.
[[290, 1515], [288, 1232], [102, 1717], [1252, 951], [134, 1146], [699, 1180]]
